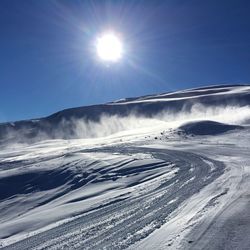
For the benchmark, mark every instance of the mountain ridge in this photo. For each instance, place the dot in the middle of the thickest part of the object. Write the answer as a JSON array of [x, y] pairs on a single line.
[[60, 125]]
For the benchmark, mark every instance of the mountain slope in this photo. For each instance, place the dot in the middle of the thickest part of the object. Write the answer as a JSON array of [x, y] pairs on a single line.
[[64, 124]]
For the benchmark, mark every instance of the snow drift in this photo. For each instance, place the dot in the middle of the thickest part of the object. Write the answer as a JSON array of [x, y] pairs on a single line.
[[207, 128]]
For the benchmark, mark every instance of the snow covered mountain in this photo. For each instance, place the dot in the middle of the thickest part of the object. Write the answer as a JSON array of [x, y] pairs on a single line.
[[168, 171], [79, 122]]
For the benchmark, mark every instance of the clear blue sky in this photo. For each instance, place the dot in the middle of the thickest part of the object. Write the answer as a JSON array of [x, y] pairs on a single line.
[[48, 63]]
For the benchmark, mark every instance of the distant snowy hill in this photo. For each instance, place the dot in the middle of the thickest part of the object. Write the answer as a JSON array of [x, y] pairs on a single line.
[[68, 123]]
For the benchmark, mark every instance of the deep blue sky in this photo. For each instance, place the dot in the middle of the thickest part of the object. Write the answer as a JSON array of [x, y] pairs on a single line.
[[47, 62]]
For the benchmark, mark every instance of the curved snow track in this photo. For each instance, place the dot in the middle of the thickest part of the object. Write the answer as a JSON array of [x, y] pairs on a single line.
[[143, 193]]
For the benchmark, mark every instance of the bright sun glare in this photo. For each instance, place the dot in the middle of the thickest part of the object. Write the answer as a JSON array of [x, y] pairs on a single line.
[[109, 47]]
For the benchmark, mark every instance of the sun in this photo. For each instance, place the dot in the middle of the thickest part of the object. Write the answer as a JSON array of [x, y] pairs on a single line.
[[109, 47]]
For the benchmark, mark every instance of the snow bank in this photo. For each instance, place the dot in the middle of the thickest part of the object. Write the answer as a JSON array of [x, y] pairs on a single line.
[[207, 128]]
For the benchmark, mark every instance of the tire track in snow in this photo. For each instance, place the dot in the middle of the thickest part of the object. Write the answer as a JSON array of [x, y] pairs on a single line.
[[122, 223]]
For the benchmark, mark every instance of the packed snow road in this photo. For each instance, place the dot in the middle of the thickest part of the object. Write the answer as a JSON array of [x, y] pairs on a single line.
[[117, 195]]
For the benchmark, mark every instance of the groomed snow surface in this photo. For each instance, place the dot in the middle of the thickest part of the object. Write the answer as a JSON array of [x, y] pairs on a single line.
[[182, 183]]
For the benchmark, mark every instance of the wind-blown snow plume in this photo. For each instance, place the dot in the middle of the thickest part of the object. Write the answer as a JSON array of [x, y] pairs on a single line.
[[109, 125]]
